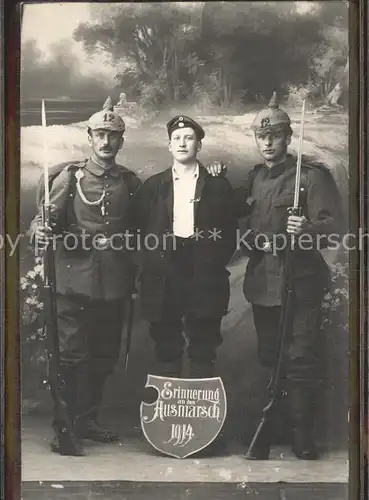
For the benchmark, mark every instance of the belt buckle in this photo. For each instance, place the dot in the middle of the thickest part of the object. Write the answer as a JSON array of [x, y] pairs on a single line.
[[102, 243]]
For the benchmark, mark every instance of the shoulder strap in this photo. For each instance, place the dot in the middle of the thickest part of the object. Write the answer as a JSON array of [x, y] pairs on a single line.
[[130, 178], [54, 171]]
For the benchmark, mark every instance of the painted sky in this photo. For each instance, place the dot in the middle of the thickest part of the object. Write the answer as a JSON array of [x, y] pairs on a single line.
[[49, 23]]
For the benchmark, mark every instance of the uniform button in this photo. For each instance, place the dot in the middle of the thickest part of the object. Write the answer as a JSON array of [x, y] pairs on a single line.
[[69, 266], [106, 185], [161, 254], [70, 195], [107, 222]]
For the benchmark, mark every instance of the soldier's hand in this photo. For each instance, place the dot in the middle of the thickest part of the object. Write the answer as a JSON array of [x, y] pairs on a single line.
[[216, 168], [42, 236], [295, 224]]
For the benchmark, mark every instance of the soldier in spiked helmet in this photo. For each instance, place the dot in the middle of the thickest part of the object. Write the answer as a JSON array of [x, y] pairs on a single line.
[[264, 201], [94, 273]]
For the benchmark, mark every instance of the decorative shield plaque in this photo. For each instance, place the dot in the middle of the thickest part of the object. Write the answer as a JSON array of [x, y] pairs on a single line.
[[187, 415]]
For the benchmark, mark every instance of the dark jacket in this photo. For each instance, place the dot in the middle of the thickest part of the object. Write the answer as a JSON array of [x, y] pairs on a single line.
[[264, 200], [152, 213], [83, 269]]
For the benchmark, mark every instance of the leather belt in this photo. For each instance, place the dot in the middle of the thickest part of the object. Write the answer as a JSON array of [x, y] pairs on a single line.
[[94, 241]]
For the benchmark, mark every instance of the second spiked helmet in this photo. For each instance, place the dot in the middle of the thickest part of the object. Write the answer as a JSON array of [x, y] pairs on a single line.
[[270, 118]]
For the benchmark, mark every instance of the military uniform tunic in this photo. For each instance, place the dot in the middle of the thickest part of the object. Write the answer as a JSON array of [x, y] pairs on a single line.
[[89, 271], [272, 194], [92, 284], [269, 196]]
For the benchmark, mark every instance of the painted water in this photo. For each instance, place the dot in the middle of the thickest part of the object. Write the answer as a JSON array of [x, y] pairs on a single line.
[[58, 111]]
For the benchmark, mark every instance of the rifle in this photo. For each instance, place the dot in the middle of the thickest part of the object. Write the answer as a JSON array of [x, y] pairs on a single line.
[[259, 448], [63, 426]]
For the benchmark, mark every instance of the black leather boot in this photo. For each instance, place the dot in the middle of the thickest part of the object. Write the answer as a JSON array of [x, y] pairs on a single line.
[[66, 444], [91, 429], [87, 425], [301, 405]]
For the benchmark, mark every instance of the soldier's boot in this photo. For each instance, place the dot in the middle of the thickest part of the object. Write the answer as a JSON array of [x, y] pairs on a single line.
[[87, 425], [70, 445], [91, 429], [63, 442], [205, 369], [301, 405]]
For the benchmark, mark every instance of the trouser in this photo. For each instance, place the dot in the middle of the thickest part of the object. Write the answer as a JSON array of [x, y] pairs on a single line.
[[299, 364], [203, 337], [178, 318], [90, 339], [301, 339]]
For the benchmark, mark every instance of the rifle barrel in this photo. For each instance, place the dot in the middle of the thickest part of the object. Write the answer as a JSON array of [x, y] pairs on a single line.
[[299, 159]]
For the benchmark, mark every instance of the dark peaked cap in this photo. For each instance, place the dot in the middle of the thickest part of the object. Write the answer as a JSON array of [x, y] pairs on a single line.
[[182, 121]]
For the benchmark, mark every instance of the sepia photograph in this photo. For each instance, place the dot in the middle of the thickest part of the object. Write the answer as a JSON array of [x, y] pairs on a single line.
[[184, 250]]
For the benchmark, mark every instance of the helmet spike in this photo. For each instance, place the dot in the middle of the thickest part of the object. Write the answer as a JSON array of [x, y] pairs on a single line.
[[273, 103]]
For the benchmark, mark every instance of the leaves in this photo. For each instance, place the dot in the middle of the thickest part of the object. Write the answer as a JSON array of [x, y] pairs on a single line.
[[335, 301], [31, 303]]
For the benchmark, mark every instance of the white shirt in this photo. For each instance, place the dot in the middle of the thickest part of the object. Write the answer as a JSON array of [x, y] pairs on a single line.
[[184, 188]]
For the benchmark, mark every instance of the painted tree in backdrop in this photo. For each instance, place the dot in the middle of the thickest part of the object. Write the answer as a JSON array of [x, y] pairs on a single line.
[[228, 51], [152, 45]]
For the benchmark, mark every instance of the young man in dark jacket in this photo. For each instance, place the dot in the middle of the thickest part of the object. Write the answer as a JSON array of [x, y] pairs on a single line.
[[264, 200], [94, 272], [188, 229]]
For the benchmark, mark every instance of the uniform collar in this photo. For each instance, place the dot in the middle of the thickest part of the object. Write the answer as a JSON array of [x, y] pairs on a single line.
[[177, 174], [97, 170], [280, 168]]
